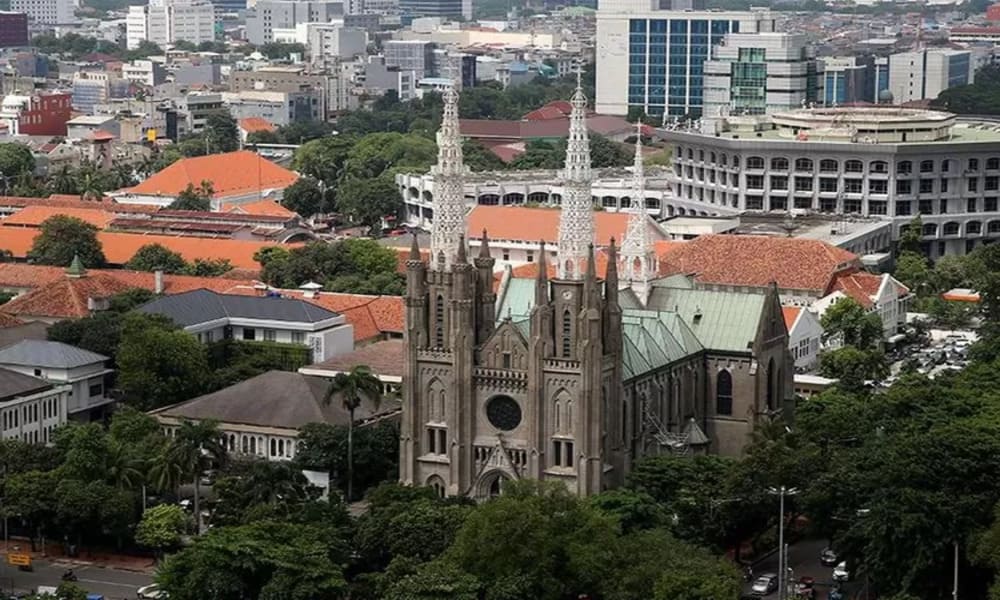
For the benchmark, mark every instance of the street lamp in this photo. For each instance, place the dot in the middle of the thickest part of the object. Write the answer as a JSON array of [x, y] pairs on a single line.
[[782, 557]]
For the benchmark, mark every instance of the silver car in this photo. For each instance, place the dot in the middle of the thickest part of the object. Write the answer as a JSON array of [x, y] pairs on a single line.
[[765, 584]]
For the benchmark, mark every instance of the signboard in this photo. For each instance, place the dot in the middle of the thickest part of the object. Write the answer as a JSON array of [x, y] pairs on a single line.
[[19, 560]]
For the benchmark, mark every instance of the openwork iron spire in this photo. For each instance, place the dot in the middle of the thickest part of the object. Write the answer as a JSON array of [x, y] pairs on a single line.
[[449, 190], [576, 219], [638, 256]]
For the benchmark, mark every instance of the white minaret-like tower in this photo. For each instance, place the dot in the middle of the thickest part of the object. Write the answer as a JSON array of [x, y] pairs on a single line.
[[576, 219], [638, 255], [448, 228]]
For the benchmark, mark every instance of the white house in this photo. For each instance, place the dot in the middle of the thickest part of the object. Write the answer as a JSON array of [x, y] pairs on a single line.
[[805, 335], [82, 372], [212, 317], [881, 294], [30, 407]]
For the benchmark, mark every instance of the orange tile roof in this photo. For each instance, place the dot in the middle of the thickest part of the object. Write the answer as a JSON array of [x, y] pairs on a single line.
[[33, 216], [750, 260], [791, 313], [120, 247], [253, 124], [861, 286], [536, 224], [268, 208], [9, 321], [66, 298], [231, 174], [69, 201]]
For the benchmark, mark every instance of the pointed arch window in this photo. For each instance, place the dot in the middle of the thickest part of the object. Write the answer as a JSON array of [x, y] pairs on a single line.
[[439, 322], [567, 331], [724, 393]]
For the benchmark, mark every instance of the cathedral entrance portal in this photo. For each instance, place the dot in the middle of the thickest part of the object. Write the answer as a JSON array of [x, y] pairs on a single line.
[[491, 485]]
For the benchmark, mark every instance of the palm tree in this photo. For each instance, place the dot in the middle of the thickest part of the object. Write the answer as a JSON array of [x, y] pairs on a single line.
[[164, 473], [195, 444], [352, 387], [124, 471]]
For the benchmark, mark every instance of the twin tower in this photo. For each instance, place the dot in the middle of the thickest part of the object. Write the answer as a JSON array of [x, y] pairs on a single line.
[[486, 400]]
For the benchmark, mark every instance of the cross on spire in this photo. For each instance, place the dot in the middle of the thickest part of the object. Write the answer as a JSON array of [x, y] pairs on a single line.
[[576, 219]]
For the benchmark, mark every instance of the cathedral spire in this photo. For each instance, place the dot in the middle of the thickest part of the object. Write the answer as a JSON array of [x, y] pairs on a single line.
[[449, 188], [638, 257], [576, 219], [542, 281]]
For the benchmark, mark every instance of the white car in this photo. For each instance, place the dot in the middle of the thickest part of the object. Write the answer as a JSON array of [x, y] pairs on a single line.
[[840, 572], [151, 592]]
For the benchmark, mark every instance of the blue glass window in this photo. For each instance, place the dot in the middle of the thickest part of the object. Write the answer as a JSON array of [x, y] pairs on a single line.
[[637, 25], [699, 26], [734, 27], [658, 26], [678, 27]]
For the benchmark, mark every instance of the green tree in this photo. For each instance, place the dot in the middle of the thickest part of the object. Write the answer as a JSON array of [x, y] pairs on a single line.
[[351, 389], [304, 197], [368, 201], [539, 154], [849, 322], [161, 527], [158, 363], [324, 159], [300, 132], [913, 270], [478, 158], [438, 580], [194, 446], [62, 238], [323, 447], [911, 236], [605, 153], [208, 267], [256, 489], [155, 257], [221, 132], [28, 495], [194, 198], [15, 159]]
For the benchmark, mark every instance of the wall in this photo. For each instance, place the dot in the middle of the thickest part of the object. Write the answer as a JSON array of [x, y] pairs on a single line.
[[34, 418]]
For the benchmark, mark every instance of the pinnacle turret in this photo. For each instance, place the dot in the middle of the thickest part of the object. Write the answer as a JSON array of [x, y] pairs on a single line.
[[449, 186], [638, 256], [576, 220]]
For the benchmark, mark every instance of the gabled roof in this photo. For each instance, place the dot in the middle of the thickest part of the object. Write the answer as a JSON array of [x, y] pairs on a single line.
[[752, 260], [383, 358], [34, 216], [535, 224], [273, 399], [861, 286], [7, 321], [254, 124], [43, 353], [201, 306], [231, 174], [720, 320], [265, 208], [14, 385], [791, 315], [67, 297], [21, 275]]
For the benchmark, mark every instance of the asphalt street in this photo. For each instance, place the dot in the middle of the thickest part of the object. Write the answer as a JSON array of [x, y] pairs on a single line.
[[113, 584], [803, 558]]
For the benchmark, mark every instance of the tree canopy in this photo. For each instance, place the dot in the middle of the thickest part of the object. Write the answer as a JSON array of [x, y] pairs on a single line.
[[62, 238], [353, 265]]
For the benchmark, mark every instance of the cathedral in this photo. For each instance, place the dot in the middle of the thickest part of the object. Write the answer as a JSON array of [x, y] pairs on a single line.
[[576, 373]]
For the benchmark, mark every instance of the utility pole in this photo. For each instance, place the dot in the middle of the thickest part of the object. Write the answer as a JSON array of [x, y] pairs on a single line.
[[782, 551], [954, 591]]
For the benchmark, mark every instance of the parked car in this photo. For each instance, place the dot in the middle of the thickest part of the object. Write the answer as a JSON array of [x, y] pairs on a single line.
[[828, 558], [150, 592], [840, 572], [765, 584]]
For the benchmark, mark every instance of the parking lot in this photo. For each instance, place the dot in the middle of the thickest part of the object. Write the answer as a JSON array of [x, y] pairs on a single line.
[[944, 351]]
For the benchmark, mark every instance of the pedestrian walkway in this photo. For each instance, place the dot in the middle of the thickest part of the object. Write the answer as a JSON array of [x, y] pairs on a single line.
[[56, 552]]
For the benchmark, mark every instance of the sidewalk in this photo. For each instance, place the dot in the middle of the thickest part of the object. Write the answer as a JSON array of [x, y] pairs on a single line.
[[55, 552]]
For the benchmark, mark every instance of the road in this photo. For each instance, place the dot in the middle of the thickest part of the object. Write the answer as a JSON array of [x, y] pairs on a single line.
[[114, 584], [803, 558]]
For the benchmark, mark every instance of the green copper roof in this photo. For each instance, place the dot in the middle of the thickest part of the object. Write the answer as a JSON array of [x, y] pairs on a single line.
[[719, 320], [517, 299], [75, 268]]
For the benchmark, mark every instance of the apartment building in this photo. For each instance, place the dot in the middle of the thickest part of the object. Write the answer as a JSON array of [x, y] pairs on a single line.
[[48, 12], [166, 22]]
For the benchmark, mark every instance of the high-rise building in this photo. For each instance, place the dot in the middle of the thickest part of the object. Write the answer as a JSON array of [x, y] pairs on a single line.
[[653, 59], [166, 22], [49, 12], [412, 55], [924, 74], [758, 73], [269, 15], [436, 8], [848, 80], [13, 29]]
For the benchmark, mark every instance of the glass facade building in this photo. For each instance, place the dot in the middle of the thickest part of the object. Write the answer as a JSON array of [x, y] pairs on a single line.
[[665, 62]]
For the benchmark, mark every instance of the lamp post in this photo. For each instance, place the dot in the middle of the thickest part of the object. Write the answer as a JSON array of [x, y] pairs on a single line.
[[781, 492]]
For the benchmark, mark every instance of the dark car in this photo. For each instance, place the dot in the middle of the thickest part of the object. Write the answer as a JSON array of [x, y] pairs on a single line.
[[828, 558]]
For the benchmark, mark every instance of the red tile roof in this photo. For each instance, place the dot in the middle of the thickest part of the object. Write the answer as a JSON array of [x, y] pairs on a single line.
[[861, 286], [748, 260], [254, 124], [231, 174], [68, 201], [66, 298], [791, 313], [33, 216], [536, 224], [384, 358], [9, 321], [120, 247], [265, 207]]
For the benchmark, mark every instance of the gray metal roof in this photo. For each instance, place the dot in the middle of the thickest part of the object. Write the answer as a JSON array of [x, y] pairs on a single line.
[[43, 353], [14, 385], [200, 306]]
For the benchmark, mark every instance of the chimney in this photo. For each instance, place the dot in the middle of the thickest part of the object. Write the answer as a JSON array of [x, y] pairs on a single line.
[[309, 289], [158, 282]]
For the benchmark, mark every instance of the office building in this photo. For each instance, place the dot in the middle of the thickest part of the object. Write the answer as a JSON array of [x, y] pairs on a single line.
[[759, 73], [886, 163], [848, 80], [269, 15], [48, 12], [39, 114], [653, 59], [436, 8], [13, 29], [90, 88], [196, 108], [924, 74], [412, 55], [380, 78], [144, 72], [166, 22], [278, 108], [328, 43]]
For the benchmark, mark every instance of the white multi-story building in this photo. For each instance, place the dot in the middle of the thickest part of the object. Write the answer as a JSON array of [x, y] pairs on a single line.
[[888, 163], [271, 15], [166, 22], [759, 73], [924, 74], [653, 59], [49, 12]]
